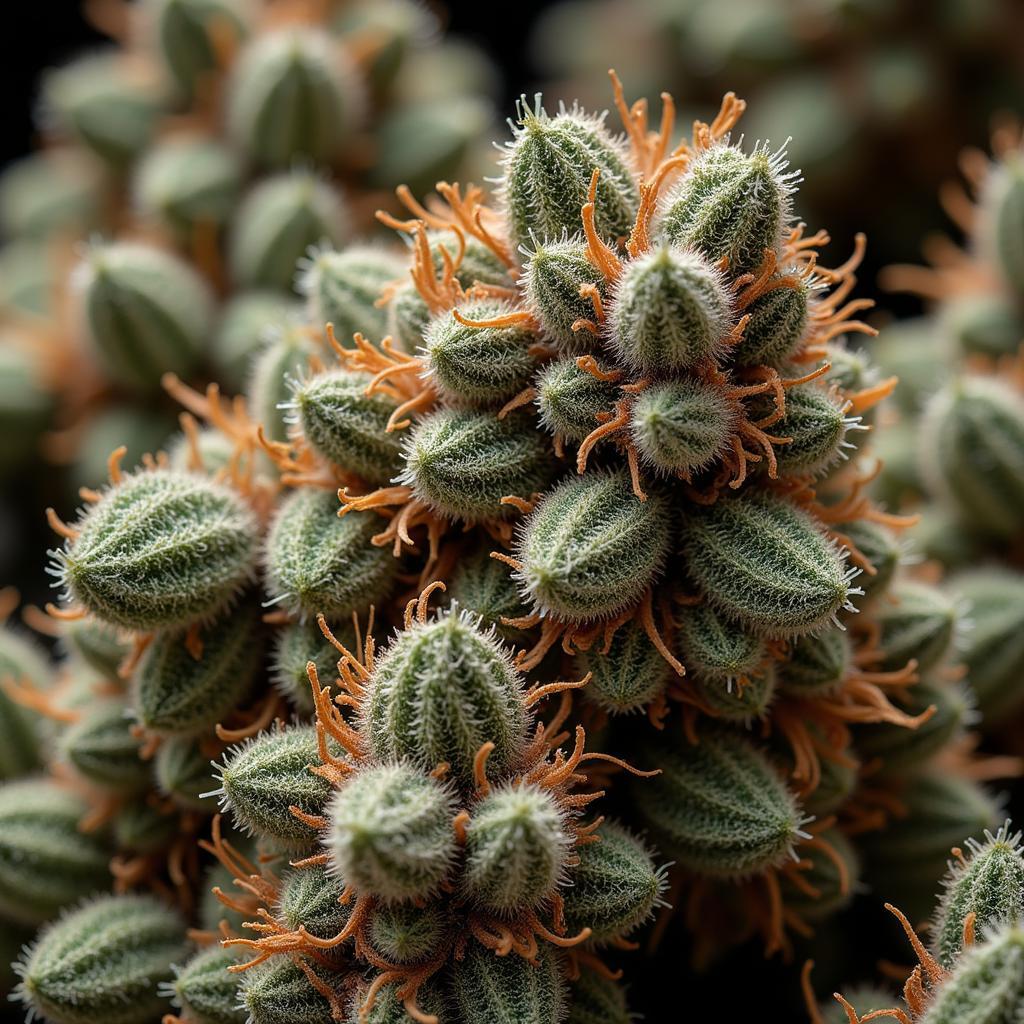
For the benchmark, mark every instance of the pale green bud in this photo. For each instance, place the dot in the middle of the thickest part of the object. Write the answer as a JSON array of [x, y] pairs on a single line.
[[46, 863], [144, 312], [348, 427], [175, 693], [516, 849], [292, 94], [276, 224], [478, 366], [342, 288], [391, 834], [462, 462], [719, 807], [441, 690], [547, 170], [767, 563], [317, 562], [683, 426], [591, 548], [159, 549], [104, 961], [731, 204], [188, 183], [671, 311]]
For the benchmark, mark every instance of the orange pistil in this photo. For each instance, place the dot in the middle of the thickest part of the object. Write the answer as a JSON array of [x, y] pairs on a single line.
[[598, 251], [260, 717], [466, 212], [232, 419], [518, 318], [639, 240], [409, 513]]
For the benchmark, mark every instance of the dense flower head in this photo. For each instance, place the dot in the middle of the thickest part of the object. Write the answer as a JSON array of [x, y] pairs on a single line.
[[617, 419]]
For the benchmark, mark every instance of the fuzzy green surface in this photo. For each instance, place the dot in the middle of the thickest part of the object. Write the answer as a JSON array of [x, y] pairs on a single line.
[[478, 366], [993, 648], [989, 885], [881, 547], [987, 986], [342, 288], [278, 992], [390, 1009], [277, 222], [554, 273], [175, 693], [440, 691], [547, 170], [729, 204], [206, 991], [483, 586], [817, 664], [629, 675], [407, 317], [971, 448], [516, 849], [670, 311], [818, 429], [404, 933], [46, 863], [743, 701], [775, 329], [283, 357], [615, 887], [104, 961], [569, 399], [595, 999], [683, 426], [101, 748], [714, 647], [390, 832], [266, 775], [295, 645], [918, 623], [486, 989], [292, 95], [719, 807], [144, 311], [309, 898], [160, 549], [319, 562], [462, 463], [591, 548], [188, 183], [182, 772], [765, 562]]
